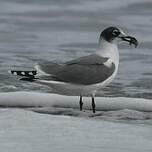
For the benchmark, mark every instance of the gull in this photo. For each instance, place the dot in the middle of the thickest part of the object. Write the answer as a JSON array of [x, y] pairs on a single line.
[[86, 75]]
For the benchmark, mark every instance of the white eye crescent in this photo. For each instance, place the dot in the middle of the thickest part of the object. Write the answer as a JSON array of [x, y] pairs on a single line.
[[115, 32]]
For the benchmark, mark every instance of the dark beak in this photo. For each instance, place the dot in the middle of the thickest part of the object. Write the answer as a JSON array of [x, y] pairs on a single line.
[[130, 39]]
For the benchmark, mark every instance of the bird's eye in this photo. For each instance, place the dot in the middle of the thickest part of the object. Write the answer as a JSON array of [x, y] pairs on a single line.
[[115, 32]]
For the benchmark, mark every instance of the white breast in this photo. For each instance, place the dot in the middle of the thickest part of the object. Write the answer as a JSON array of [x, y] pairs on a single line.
[[109, 50]]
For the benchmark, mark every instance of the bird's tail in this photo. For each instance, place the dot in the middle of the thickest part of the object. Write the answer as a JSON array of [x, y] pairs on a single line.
[[25, 75]]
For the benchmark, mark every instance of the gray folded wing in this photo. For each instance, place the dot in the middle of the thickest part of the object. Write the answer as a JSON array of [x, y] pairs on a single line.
[[85, 70], [88, 60], [50, 67]]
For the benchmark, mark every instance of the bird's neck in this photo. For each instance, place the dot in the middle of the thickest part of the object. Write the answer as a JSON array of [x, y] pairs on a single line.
[[109, 50]]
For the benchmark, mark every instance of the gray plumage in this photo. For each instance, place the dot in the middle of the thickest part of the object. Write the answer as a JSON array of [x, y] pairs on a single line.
[[84, 70]]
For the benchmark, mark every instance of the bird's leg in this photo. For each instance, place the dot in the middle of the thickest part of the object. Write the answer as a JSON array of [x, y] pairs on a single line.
[[81, 103], [93, 105]]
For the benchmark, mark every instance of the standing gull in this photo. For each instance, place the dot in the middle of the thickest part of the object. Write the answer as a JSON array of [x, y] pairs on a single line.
[[86, 75]]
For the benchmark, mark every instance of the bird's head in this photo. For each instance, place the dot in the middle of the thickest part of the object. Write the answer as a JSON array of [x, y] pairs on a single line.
[[111, 34]]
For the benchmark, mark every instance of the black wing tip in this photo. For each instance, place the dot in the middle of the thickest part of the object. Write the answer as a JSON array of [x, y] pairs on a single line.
[[19, 72], [25, 75]]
